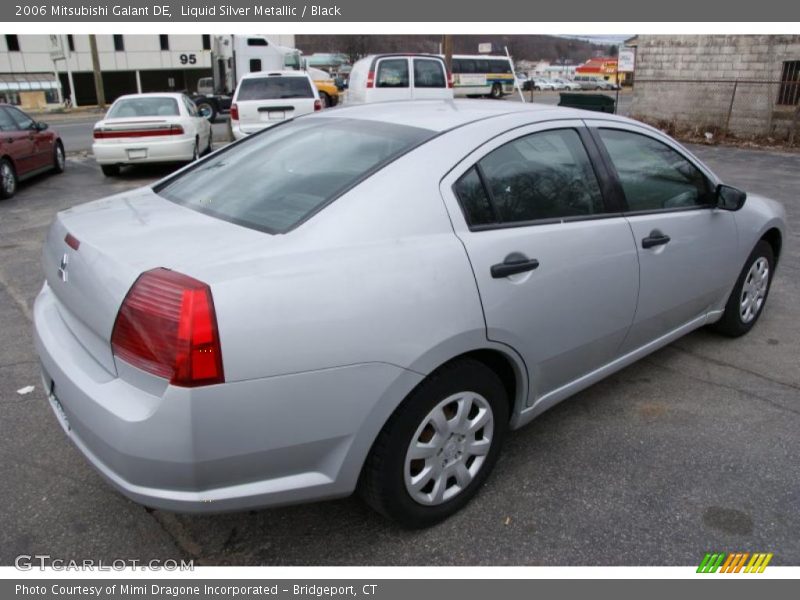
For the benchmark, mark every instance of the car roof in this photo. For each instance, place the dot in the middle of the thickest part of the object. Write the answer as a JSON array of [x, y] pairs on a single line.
[[441, 115], [261, 74]]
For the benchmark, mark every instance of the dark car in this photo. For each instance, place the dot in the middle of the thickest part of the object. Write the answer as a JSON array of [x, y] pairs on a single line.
[[27, 148]]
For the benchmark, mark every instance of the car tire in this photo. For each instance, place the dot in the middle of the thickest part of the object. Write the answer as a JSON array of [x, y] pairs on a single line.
[[196, 151], [210, 147], [326, 100], [59, 158], [387, 479], [110, 170], [749, 295], [207, 110], [8, 179], [497, 92]]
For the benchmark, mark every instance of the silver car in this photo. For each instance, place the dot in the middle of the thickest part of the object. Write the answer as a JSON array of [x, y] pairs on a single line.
[[370, 298]]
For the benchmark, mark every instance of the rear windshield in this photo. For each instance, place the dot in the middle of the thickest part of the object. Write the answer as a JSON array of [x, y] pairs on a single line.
[[273, 88], [143, 107], [274, 180]]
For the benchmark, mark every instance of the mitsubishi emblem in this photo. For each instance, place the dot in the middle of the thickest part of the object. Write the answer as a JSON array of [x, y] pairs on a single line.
[[62, 269]]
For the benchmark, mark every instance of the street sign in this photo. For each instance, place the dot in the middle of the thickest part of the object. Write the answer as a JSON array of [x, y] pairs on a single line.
[[485, 48], [626, 60]]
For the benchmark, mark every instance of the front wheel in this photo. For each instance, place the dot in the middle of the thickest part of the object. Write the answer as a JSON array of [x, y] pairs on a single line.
[[439, 446], [8, 179], [749, 295], [325, 99]]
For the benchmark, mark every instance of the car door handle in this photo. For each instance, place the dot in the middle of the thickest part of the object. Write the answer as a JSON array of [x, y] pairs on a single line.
[[514, 263], [656, 238]]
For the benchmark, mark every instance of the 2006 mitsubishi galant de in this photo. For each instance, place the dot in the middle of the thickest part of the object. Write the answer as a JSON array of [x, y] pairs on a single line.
[[370, 298]]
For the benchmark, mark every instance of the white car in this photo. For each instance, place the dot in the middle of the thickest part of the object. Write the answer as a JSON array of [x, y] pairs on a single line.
[[568, 84], [543, 84], [265, 99], [150, 128]]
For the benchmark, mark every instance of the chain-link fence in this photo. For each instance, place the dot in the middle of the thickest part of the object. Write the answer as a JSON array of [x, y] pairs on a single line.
[[749, 109]]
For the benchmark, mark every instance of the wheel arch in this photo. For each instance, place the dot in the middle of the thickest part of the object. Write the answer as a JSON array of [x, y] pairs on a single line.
[[774, 238]]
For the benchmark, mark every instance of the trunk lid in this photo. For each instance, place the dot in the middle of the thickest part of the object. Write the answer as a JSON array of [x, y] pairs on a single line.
[[122, 236]]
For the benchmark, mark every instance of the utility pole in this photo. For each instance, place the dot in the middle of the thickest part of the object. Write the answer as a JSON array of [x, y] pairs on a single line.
[[73, 98], [98, 76], [447, 50]]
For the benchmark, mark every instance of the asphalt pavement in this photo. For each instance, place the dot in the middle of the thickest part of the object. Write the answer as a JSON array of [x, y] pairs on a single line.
[[693, 449]]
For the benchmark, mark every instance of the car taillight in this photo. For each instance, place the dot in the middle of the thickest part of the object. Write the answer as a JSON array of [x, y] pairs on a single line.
[[234, 112], [371, 79], [317, 104], [167, 326], [103, 133]]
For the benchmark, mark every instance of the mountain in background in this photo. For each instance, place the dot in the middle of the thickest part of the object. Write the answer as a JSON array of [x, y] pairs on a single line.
[[521, 47]]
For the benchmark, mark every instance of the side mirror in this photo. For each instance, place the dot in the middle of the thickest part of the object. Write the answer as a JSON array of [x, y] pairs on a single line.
[[39, 126], [730, 198]]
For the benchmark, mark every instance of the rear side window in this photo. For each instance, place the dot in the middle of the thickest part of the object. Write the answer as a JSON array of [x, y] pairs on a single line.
[[392, 73], [144, 107], [474, 199], [542, 176], [428, 73], [653, 175], [274, 180], [273, 88]]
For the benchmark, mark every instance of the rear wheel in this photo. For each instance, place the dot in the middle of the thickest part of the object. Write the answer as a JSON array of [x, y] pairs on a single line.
[[497, 91], [110, 170], [325, 99], [749, 295], [59, 159], [207, 111], [438, 447], [8, 179]]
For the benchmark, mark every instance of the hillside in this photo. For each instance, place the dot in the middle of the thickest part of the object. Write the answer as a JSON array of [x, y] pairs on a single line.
[[522, 47]]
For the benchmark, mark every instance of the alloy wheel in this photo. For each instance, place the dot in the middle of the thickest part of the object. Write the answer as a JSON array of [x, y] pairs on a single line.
[[449, 448]]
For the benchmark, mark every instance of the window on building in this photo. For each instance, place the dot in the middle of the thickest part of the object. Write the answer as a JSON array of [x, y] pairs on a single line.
[[71, 42], [206, 42], [163, 39], [119, 43], [789, 93], [12, 42]]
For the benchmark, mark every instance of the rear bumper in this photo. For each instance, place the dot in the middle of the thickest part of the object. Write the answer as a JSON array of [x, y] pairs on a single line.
[[133, 152], [240, 131], [233, 446]]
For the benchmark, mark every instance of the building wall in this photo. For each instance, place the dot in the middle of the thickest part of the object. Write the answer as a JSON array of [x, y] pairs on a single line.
[[689, 80]]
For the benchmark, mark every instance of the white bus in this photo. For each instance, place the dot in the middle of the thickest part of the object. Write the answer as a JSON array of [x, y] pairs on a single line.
[[482, 75]]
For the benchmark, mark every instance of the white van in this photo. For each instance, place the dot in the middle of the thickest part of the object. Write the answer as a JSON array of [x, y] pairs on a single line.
[[266, 99], [383, 77]]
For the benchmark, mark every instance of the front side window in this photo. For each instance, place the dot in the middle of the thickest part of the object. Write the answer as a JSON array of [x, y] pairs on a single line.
[[542, 176], [428, 73], [276, 179], [653, 175], [23, 121], [392, 73], [144, 107]]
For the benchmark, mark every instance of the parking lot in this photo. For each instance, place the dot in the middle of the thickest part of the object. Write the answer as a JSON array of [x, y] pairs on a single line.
[[696, 448]]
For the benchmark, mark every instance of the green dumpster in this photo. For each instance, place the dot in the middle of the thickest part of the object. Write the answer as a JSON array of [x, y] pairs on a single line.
[[596, 102]]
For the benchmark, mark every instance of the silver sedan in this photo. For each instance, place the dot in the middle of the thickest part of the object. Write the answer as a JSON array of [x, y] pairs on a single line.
[[370, 298]]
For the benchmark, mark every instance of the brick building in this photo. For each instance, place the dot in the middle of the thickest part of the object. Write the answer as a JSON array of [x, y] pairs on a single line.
[[748, 85]]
